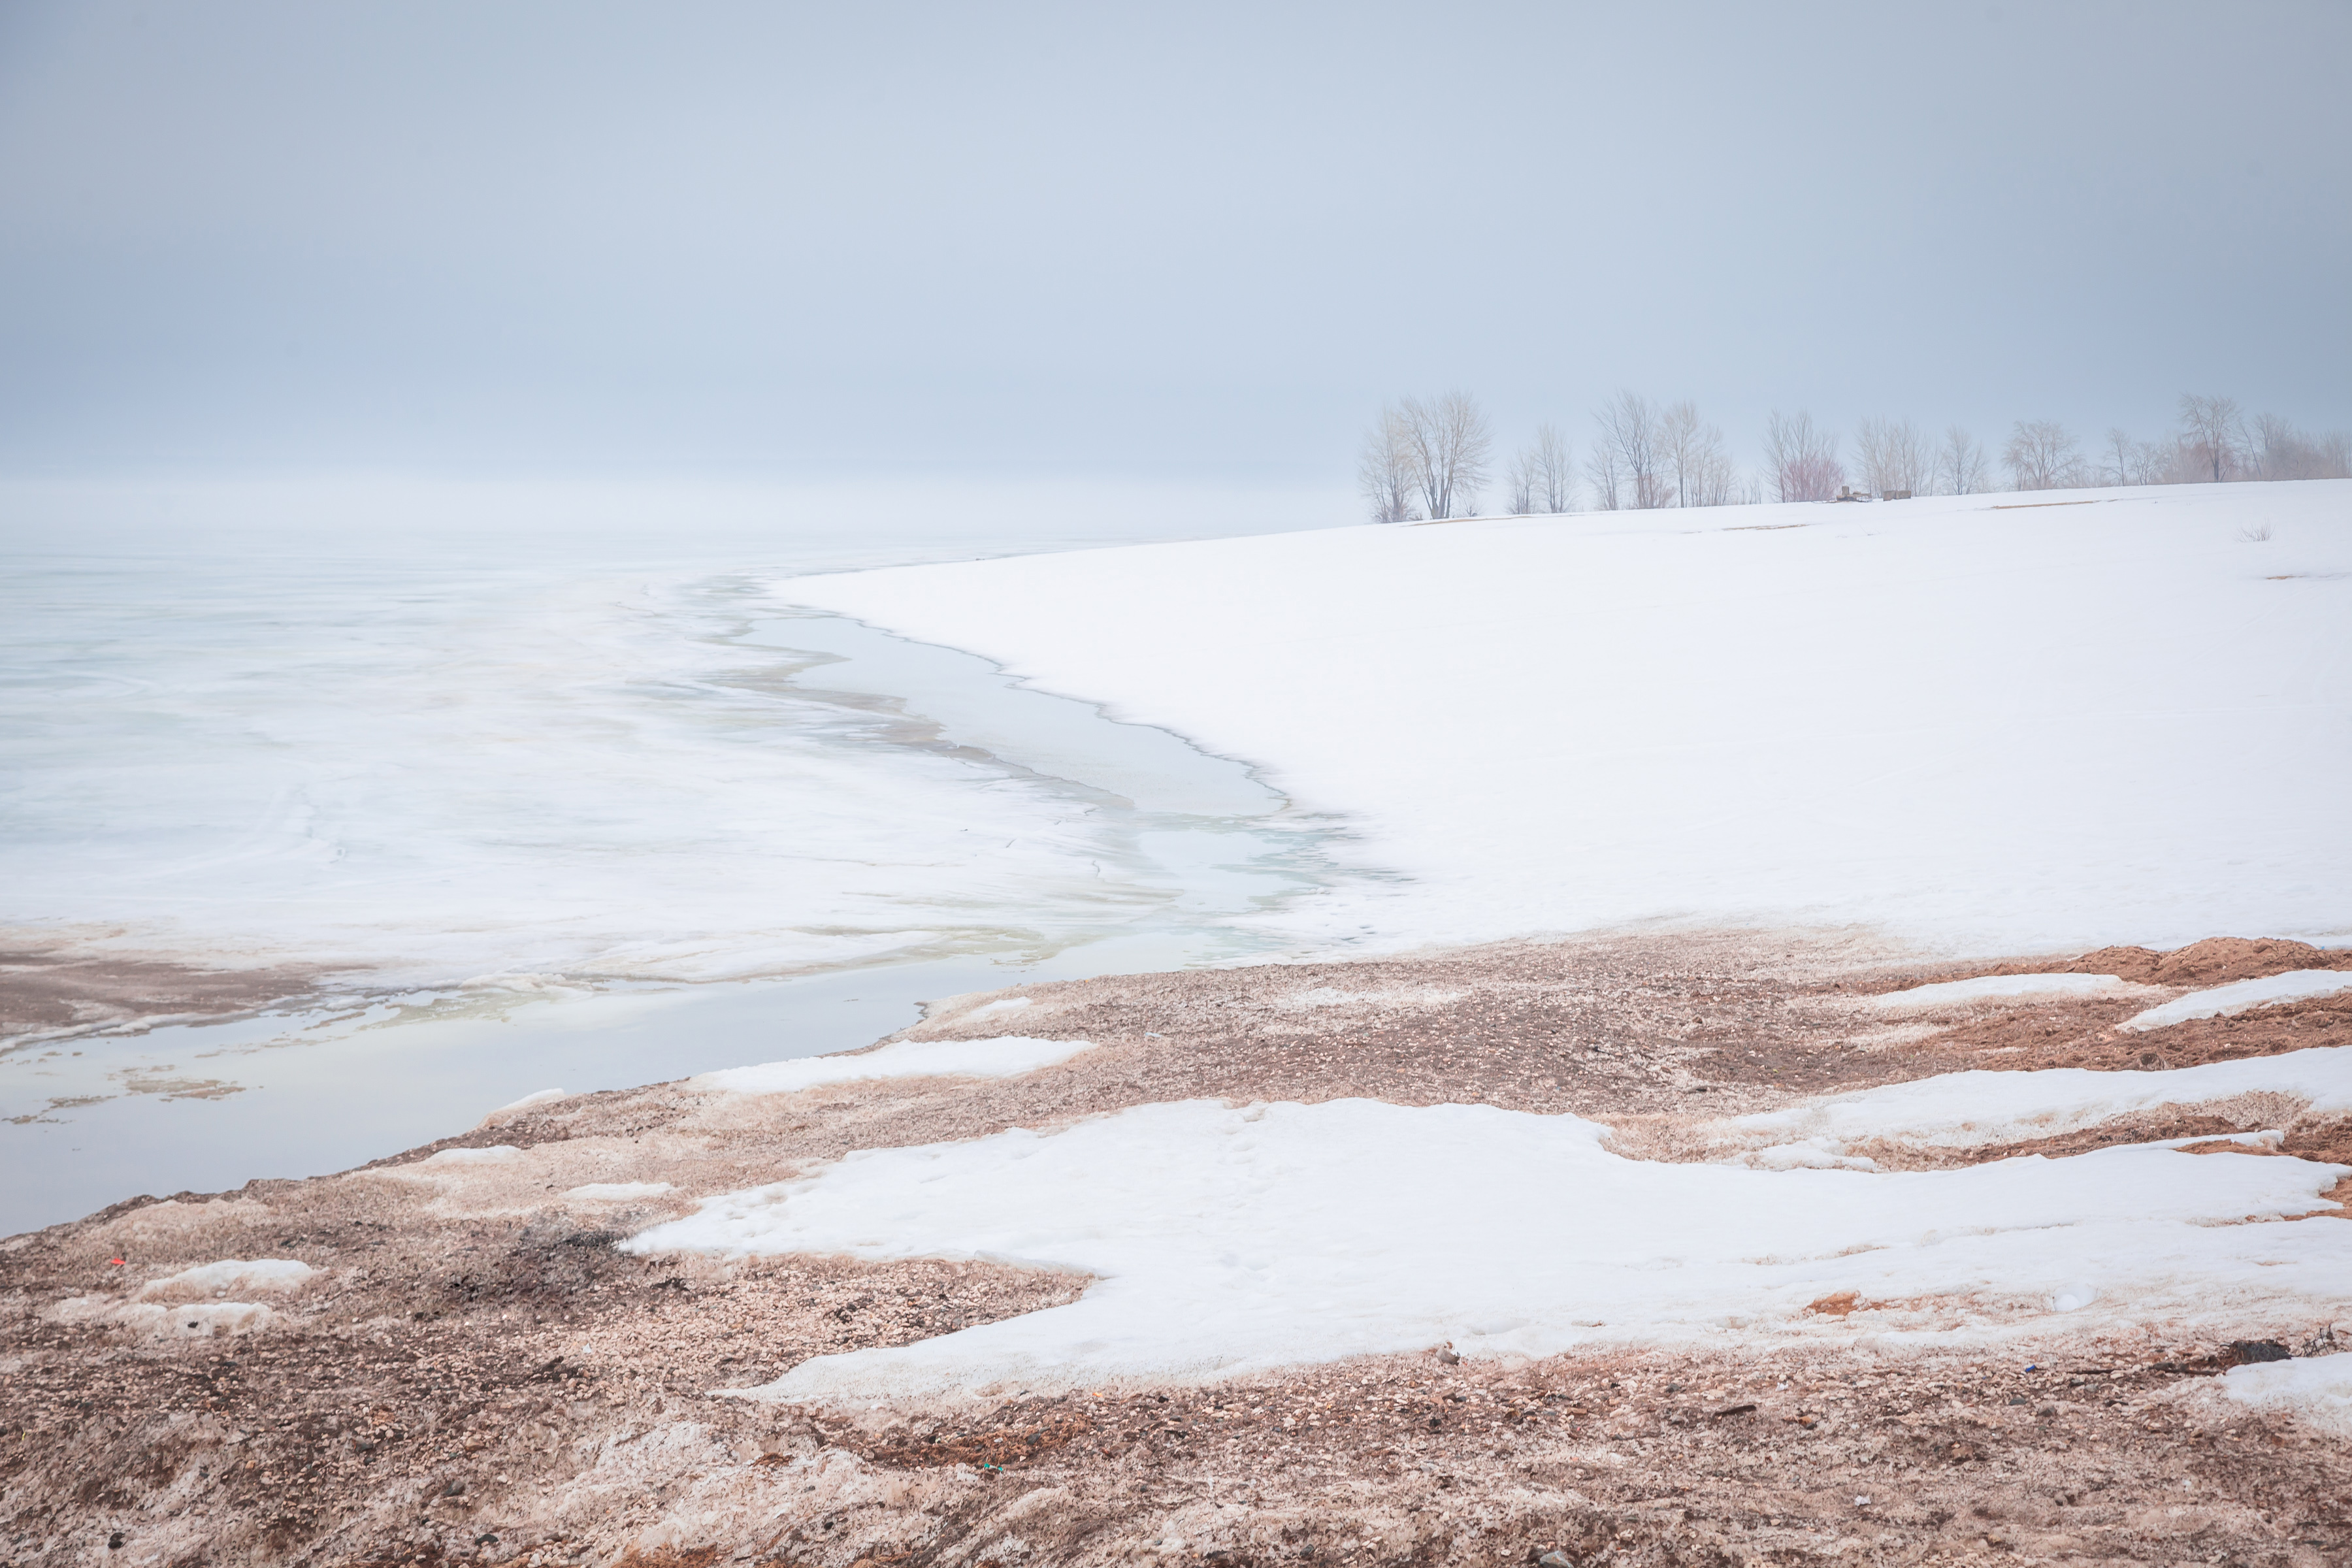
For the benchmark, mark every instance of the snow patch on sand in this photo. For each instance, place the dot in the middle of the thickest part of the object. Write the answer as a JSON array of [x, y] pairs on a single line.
[[2224, 1000], [515, 1107], [618, 1191], [1224, 1239], [497, 1153], [239, 1277], [2317, 1390], [1008, 1056], [1996, 987], [1966, 1110]]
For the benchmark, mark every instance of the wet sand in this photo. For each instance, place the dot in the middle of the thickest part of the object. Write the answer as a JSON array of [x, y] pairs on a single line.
[[46, 993], [475, 1374]]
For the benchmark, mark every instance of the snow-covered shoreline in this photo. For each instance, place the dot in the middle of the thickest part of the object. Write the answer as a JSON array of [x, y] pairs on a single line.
[[1981, 724]]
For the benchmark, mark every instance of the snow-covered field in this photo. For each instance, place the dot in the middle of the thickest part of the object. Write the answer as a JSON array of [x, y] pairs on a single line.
[[1985, 725]]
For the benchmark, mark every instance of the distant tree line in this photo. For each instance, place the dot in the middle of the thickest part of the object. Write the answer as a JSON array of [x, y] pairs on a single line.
[[1434, 458]]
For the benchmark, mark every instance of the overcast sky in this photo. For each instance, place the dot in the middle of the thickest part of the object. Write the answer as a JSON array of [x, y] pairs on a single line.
[[1195, 240]]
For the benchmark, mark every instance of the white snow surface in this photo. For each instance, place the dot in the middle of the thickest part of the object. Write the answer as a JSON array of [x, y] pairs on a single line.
[[1969, 1109], [1008, 1056], [1978, 723], [1226, 1239], [1993, 987], [230, 1277], [2317, 1389], [494, 1154], [2223, 1001]]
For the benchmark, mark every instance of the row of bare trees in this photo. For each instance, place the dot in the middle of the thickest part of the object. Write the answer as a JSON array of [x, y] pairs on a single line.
[[2216, 443], [1433, 458]]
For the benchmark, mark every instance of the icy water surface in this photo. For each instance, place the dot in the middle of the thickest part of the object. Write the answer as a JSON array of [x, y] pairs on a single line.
[[539, 819]]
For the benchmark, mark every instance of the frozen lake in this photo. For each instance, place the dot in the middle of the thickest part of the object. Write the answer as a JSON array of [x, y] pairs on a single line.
[[537, 806]]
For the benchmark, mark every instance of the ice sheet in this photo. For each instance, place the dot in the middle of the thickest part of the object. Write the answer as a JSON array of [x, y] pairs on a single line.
[[1008, 1056], [1224, 1239], [1934, 717], [514, 767], [2223, 1001]]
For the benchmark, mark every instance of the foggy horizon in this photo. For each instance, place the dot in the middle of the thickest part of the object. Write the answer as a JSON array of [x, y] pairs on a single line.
[[924, 243]]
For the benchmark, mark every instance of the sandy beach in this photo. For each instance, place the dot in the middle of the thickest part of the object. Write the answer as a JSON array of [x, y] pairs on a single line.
[[468, 1369]]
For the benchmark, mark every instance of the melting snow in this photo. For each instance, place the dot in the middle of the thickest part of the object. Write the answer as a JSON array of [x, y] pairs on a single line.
[[1008, 1056], [614, 1192], [1990, 987], [492, 1155], [2318, 1389], [1224, 1239], [267, 1276], [2224, 1000], [1966, 1109]]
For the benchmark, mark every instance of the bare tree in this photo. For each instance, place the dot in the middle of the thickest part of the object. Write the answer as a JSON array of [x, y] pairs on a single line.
[[2214, 427], [1385, 471], [1449, 443], [2120, 446], [1521, 478], [2280, 451], [1960, 464], [2152, 463], [1631, 427], [1802, 460], [1555, 479], [1601, 473], [1679, 447], [1714, 476], [2334, 456], [1893, 456], [2041, 455]]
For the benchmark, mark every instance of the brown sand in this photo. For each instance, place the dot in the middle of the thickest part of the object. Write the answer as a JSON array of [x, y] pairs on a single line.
[[478, 1375]]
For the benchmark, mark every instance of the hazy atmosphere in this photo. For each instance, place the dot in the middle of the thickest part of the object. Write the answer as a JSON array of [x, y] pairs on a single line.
[[1205, 242], [1236, 786]]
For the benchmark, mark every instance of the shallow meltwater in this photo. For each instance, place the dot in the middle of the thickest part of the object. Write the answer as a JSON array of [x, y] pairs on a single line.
[[585, 830]]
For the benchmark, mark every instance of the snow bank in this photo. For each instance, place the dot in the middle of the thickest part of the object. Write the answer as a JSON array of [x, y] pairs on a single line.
[[496, 1155], [1967, 1109], [2317, 1390], [541, 1097], [617, 1192], [1991, 987], [1008, 1056], [1224, 1239], [2223, 1001], [231, 1276], [1931, 716]]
